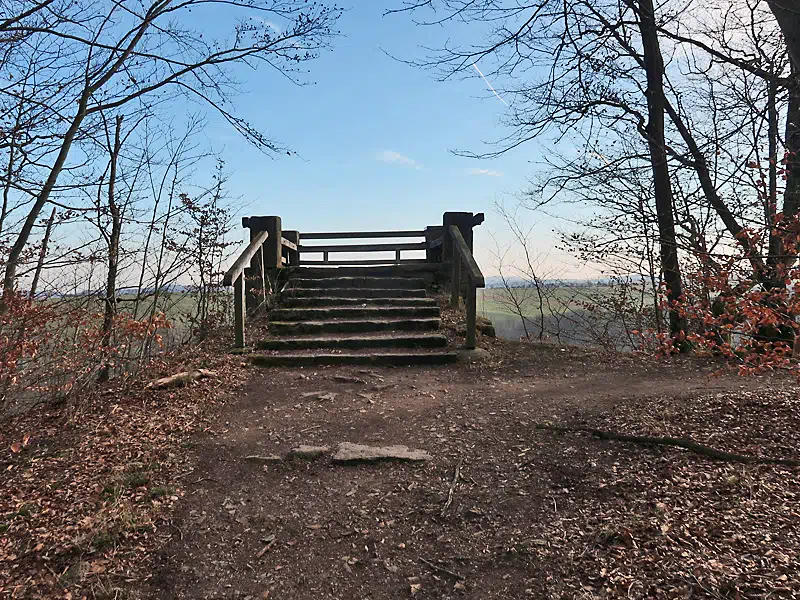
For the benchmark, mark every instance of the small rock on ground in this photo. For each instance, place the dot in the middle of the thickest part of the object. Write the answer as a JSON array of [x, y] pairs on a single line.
[[348, 452]]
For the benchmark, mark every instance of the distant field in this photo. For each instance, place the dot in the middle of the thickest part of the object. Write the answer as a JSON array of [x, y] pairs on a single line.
[[580, 326], [493, 304], [177, 306], [495, 300], [491, 300]]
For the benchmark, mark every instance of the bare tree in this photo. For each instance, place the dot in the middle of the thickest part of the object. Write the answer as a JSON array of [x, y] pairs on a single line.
[[601, 69], [109, 55], [705, 87], [653, 64], [112, 239]]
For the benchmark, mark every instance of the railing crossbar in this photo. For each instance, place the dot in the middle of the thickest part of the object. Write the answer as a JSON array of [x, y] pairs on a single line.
[[345, 235], [304, 249]]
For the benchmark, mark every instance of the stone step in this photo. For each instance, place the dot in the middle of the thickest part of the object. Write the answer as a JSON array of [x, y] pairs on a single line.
[[351, 326], [341, 341], [351, 312], [350, 292], [377, 358], [402, 270], [312, 302], [393, 283]]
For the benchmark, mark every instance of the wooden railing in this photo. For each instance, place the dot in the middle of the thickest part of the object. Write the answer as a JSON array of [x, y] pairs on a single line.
[[235, 276], [396, 247], [464, 264], [255, 275]]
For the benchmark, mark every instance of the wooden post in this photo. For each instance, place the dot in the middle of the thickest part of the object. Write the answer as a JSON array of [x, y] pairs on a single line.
[[254, 288], [239, 310], [325, 257], [455, 282], [273, 248], [260, 278], [464, 222], [294, 256], [433, 233], [256, 285], [471, 317], [397, 256]]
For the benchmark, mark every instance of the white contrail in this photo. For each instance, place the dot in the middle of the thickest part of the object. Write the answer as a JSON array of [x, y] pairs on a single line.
[[494, 91]]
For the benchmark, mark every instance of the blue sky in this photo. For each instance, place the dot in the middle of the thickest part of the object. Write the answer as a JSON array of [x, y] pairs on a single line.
[[373, 137]]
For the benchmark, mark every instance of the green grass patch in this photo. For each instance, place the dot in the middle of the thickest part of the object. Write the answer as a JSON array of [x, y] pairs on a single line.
[[135, 480], [104, 540], [111, 492], [161, 491]]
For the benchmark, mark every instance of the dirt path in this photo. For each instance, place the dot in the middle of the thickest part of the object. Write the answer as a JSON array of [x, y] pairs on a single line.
[[534, 514]]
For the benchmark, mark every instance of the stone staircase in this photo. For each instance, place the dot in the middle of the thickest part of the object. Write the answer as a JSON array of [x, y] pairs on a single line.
[[346, 315]]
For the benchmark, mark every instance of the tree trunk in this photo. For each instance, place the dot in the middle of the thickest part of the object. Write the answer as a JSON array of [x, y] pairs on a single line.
[[113, 251], [771, 202], [42, 254], [788, 16], [791, 196], [654, 68], [15, 254], [791, 200]]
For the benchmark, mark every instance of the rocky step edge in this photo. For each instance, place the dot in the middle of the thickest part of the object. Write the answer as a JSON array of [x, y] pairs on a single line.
[[395, 283], [351, 312], [351, 292], [353, 342], [280, 328], [384, 358], [316, 301]]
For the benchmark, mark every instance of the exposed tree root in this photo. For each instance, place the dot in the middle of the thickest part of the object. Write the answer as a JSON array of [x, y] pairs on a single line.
[[685, 443], [180, 379], [453, 484]]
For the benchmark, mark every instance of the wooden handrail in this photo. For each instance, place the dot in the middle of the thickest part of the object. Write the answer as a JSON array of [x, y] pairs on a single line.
[[344, 235], [244, 259], [460, 246], [288, 244]]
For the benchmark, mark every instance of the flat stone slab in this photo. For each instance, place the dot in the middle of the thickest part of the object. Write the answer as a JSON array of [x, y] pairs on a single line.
[[319, 395], [263, 460], [347, 379], [308, 452], [348, 453]]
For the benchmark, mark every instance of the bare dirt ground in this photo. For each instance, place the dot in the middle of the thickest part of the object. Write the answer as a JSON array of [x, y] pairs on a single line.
[[534, 513]]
